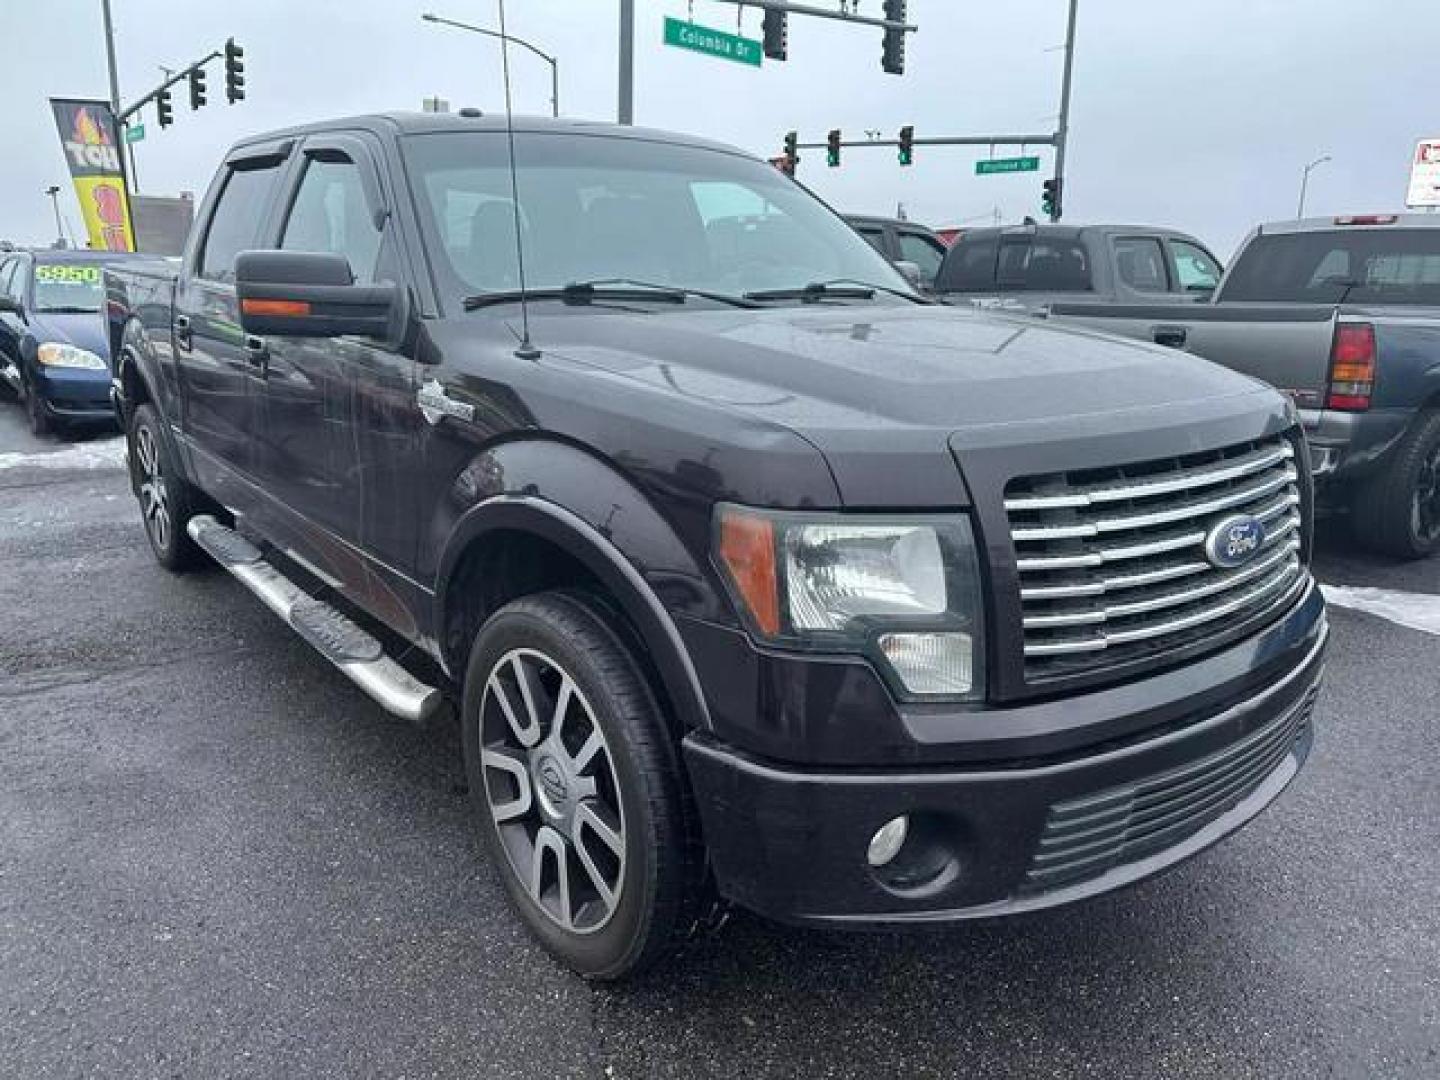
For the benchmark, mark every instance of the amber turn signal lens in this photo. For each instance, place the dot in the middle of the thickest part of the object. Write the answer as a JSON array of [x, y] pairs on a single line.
[[747, 547], [274, 307]]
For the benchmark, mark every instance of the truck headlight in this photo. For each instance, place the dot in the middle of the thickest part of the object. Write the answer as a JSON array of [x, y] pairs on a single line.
[[55, 354], [903, 590]]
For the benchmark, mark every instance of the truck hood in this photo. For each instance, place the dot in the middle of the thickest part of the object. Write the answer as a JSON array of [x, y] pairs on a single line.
[[873, 384], [873, 368], [85, 330]]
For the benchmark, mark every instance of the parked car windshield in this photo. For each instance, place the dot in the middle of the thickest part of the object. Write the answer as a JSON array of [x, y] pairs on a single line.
[[1365, 265], [69, 286], [594, 208]]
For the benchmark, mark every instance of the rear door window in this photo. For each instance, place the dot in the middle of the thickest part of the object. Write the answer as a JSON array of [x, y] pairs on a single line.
[[235, 225], [1140, 264]]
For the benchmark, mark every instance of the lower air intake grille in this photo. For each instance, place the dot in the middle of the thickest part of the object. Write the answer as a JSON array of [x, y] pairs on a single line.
[[1113, 563], [1086, 836]]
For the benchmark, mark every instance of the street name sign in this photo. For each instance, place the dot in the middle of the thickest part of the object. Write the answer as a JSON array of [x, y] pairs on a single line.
[[134, 133], [1424, 175], [703, 39], [1007, 165]]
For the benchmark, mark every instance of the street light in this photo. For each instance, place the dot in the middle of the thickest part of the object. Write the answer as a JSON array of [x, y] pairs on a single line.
[[1305, 182], [54, 192], [554, 63]]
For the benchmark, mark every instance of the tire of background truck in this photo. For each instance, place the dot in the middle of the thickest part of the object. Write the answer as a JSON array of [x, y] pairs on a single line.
[[1398, 512], [166, 501], [40, 422], [577, 781]]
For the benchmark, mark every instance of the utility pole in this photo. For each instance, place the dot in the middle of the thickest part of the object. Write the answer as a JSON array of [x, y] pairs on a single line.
[[1063, 131], [625, 109], [132, 182]]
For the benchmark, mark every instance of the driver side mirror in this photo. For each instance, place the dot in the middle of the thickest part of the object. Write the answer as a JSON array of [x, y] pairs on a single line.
[[309, 294]]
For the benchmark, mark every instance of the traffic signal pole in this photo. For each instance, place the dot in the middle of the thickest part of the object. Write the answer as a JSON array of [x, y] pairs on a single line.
[[1063, 129], [943, 140], [625, 106]]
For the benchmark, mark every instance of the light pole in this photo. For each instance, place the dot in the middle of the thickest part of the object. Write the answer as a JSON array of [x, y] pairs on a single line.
[[625, 105], [1305, 183], [54, 192], [554, 63]]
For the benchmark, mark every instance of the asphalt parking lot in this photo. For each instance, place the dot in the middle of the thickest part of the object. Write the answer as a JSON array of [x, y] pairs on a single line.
[[217, 858]]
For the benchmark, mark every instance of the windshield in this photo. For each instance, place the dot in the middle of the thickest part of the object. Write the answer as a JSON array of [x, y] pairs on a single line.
[[1359, 265], [68, 286], [595, 207]]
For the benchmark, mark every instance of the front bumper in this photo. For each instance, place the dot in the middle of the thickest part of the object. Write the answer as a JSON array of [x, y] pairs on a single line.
[[75, 395], [790, 842]]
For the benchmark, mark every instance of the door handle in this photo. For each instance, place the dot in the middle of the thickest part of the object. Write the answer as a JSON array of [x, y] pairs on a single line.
[[257, 353], [182, 331], [1172, 337]]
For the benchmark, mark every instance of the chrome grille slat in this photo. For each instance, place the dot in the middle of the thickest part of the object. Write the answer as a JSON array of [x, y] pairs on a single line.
[[1199, 508], [1112, 564], [1186, 480]]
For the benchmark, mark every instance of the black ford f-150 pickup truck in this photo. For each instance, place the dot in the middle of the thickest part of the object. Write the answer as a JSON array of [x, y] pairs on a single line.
[[754, 576]]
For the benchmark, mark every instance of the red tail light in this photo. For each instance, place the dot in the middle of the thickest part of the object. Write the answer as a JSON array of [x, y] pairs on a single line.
[[1352, 367]]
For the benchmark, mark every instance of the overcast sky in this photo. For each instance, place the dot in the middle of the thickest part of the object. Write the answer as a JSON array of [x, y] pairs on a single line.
[[1196, 115]]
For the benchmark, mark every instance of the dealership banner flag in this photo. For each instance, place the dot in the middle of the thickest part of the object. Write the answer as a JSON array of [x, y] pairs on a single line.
[[90, 135]]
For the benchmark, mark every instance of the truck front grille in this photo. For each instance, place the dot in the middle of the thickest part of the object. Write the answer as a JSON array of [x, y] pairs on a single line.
[[1086, 836], [1112, 562]]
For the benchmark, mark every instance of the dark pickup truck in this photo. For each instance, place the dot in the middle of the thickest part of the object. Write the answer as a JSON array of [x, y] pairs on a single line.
[[1343, 315], [753, 576]]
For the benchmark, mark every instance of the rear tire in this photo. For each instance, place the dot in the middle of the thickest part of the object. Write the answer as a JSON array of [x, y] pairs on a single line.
[[1398, 512], [584, 807], [166, 500]]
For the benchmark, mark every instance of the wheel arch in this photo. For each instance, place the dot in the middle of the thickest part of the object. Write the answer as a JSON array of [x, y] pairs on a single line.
[[539, 523]]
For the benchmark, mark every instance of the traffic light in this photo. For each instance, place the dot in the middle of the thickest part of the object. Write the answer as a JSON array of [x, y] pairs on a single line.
[[832, 148], [164, 111], [234, 72], [776, 34], [892, 57], [197, 87], [1050, 200], [792, 150], [907, 145]]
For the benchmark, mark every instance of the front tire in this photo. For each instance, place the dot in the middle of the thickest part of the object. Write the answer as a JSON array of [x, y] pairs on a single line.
[[165, 498], [1398, 512], [40, 422], [576, 779]]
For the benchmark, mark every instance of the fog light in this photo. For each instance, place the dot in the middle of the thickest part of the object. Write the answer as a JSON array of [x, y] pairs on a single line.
[[887, 841], [932, 663]]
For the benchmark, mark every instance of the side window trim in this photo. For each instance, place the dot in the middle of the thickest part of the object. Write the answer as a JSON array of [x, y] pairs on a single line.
[[1171, 242], [258, 156]]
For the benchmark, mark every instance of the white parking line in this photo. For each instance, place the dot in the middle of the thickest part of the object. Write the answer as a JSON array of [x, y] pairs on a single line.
[[1418, 611], [106, 454]]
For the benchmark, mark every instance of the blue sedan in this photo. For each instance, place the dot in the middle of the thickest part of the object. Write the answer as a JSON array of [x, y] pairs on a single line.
[[54, 348]]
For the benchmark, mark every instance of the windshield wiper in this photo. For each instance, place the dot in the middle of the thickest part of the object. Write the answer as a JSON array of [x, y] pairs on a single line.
[[603, 290], [577, 293], [704, 294], [835, 289], [68, 309]]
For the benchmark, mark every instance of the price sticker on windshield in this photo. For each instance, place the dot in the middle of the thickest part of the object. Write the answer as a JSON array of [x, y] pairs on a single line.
[[58, 274]]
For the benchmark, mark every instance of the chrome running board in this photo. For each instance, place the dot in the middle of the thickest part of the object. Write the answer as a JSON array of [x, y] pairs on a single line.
[[357, 654]]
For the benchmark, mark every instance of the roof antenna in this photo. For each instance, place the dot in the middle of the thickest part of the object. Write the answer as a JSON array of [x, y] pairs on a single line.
[[527, 349]]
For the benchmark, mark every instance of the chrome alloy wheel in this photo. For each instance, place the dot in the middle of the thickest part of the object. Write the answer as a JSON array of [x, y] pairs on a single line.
[[154, 495], [552, 790]]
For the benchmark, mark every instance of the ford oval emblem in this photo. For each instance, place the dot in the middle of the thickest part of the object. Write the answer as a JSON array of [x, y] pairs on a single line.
[[1233, 542]]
